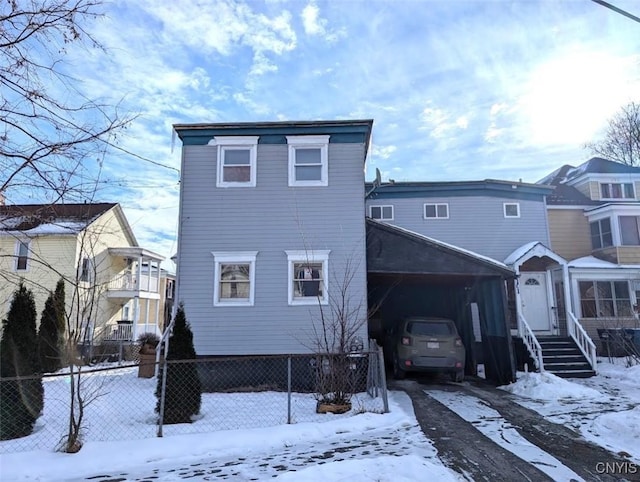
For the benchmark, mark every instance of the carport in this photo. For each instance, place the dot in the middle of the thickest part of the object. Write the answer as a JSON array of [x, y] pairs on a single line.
[[413, 275]]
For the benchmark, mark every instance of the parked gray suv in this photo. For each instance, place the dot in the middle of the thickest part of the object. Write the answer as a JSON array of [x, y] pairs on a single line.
[[421, 344]]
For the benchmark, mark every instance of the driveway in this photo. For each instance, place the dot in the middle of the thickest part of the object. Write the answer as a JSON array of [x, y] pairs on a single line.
[[547, 452]]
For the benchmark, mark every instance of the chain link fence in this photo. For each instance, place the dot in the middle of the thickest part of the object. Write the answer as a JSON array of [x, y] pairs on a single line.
[[120, 402]]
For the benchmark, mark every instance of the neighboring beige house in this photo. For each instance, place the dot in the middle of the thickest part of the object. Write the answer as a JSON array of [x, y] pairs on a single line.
[[113, 286], [594, 223]]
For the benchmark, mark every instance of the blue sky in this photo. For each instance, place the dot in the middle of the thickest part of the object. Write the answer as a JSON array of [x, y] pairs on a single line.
[[458, 90]]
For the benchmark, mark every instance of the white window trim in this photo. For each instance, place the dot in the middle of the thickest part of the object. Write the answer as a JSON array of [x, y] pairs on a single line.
[[382, 206], [224, 143], [504, 210], [622, 183], [319, 142], [240, 257], [424, 211], [90, 269], [17, 253], [315, 256]]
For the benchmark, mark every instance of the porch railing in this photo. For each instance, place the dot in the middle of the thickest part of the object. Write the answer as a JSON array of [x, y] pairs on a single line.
[[127, 282], [531, 342], [582, 339]]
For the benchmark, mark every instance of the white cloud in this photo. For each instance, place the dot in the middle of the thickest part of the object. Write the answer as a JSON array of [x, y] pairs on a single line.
[[383, 152], [442, 123], [568, 98], [314, 25]]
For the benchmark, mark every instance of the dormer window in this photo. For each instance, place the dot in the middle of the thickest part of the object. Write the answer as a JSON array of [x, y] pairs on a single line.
[[617, 190]]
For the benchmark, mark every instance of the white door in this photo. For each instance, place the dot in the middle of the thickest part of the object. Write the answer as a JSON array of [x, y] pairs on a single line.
[[535, 306]]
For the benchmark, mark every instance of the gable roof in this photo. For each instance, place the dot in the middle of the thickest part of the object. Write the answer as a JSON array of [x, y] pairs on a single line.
[[595, 165], [42, 219], [564, 195], [392, 249]]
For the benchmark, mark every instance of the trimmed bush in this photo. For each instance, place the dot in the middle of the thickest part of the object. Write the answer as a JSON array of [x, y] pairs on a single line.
[[21, 399], [51, 332], [183, 391]]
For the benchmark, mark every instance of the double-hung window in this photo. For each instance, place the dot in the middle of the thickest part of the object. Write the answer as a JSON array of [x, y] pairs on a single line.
[[511, 210], [436, 211], [86, 270], [236, 160], [604, 299], [308, 160], [22, 255], [601, 236], [630, 230], [308, 277], [617, 190], [234, 278], [383, 213]]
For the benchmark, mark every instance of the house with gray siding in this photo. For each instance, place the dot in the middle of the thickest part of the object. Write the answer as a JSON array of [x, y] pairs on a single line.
[[489, 217], [271, 229], [506, 222]]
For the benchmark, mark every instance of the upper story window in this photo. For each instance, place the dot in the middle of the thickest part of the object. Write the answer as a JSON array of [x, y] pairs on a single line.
[[617, 190], [86, 269], [601, 236], [22, 255], [436, 211], [308, 277], [234, 278], [236, 160], [308, 160], [630, 230], [511, 210], [383, 213]]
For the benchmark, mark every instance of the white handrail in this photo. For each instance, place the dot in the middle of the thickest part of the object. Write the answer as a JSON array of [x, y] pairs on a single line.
[[531, 342], [582, 339]]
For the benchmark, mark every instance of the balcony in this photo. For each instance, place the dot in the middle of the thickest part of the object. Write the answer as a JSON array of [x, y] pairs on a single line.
[[138, 276], [129, 286]]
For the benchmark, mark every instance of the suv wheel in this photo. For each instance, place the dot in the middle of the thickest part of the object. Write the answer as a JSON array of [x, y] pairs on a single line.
[[398, 372], [457, 376]]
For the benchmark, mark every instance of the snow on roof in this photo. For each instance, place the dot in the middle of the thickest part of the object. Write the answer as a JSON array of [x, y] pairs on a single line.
[[593, 262], [520, 252], [59, 227], [452, 247]]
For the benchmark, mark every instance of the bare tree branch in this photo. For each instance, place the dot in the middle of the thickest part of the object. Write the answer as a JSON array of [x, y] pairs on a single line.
[[621, 142], [51, 135]]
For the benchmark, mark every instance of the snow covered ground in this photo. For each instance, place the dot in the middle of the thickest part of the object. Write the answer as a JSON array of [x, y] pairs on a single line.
[[355, 447], [605, 409]]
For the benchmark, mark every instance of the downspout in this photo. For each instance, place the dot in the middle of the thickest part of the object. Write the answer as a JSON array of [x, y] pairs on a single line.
[[568, 301], [516, 291]]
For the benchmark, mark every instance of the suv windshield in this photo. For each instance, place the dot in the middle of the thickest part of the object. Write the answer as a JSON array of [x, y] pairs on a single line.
[[430, 328]]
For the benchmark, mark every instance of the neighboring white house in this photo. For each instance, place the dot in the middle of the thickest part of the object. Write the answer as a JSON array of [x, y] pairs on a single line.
[[112, 284]]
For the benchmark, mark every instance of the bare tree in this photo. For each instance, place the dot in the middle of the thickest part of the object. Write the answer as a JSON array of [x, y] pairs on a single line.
[[51, 134], [621, 142]]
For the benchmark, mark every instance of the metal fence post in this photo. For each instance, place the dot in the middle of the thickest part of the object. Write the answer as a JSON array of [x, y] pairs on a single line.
[[163, 390], [289, 389], [383, 380]]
